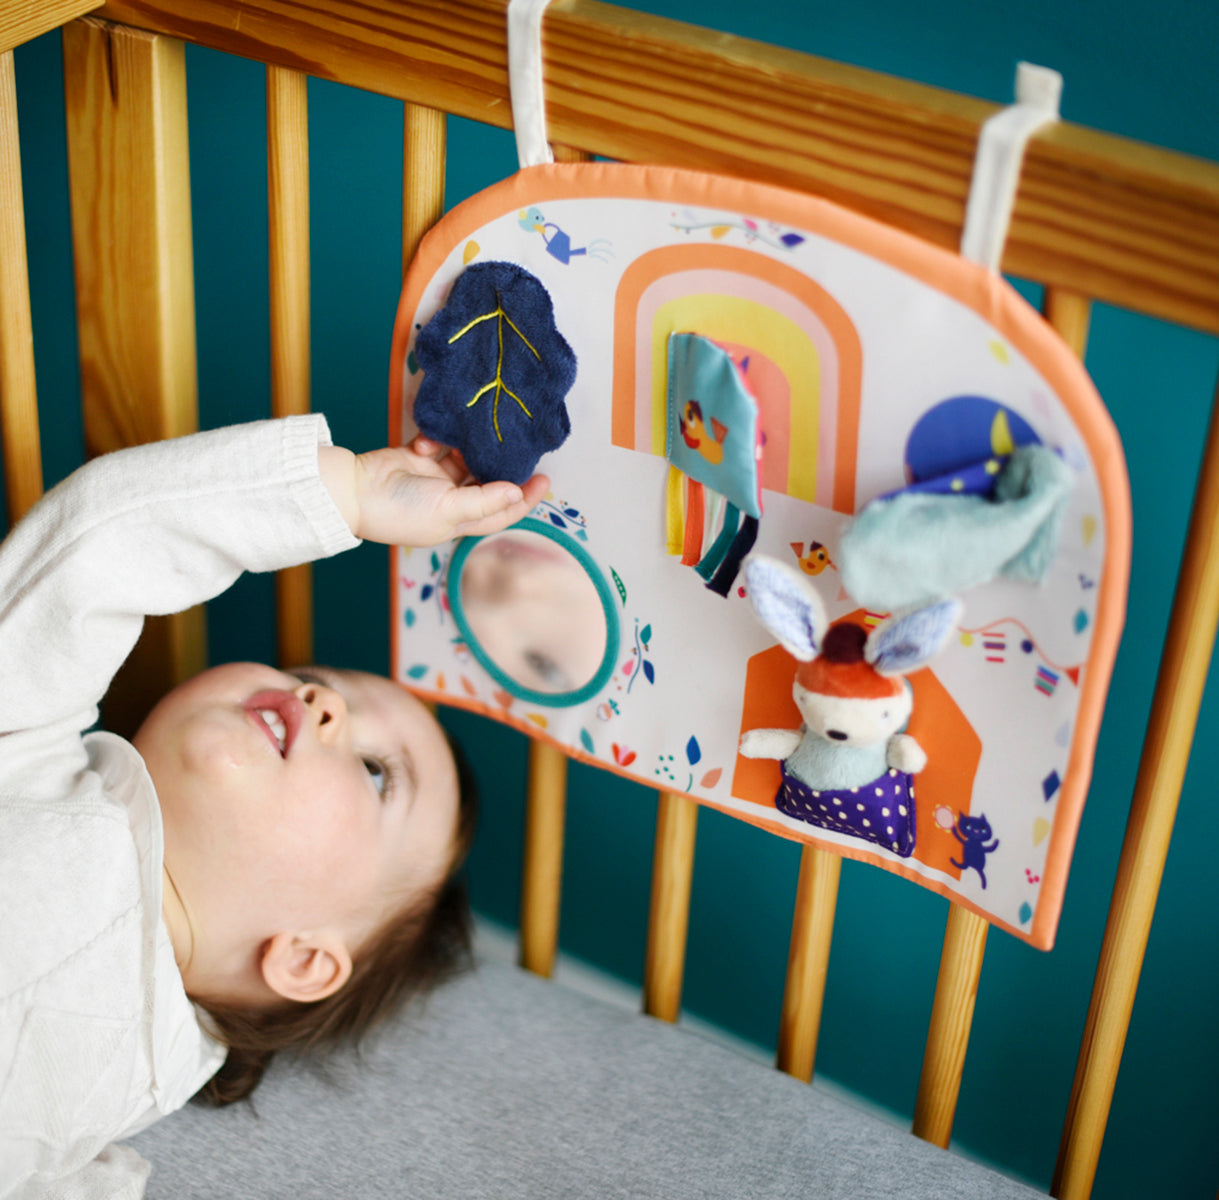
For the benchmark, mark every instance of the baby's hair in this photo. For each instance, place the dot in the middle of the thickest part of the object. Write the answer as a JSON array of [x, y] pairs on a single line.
[[418, 948]]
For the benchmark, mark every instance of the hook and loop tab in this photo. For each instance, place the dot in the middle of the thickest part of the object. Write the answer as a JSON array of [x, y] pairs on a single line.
[[525, 81], [996, 174]]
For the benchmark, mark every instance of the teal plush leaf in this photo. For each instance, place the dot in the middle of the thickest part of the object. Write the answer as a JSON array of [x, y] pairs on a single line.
[[586, 741], [417, 672], [645, 634]]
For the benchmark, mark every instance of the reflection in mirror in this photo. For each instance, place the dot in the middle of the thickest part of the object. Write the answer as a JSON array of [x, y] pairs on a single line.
[[534, 612]]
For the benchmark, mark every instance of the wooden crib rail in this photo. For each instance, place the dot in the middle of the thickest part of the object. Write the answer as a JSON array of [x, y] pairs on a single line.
[[24, 20], [1101, 215]]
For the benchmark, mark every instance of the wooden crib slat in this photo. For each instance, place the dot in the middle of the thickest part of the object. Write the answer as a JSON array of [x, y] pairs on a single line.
[[965, 935], [129, 171], [546, 796], [956, 990], [1070, 314], [424, 134], [1123, 222], [570, 154], [288, 246], [18, 393], [808, 961], [542, 871], [669, 913], [1170, 731]]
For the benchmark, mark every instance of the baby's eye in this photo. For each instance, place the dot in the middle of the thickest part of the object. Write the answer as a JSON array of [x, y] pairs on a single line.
[[379, 775]]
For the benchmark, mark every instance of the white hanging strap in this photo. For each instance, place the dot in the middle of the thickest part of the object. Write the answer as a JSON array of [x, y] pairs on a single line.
[[997, 163], [525, 81]]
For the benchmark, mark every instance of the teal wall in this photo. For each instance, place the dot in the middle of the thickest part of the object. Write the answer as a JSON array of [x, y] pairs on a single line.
[[1145, 73]]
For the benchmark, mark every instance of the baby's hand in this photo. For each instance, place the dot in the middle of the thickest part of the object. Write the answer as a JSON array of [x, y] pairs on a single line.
[[401, 497]]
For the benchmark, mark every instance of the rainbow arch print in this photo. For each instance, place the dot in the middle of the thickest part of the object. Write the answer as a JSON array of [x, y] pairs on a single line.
[[806, 360]]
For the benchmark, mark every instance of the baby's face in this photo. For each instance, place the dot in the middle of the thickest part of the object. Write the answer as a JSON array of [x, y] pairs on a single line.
[[297, 802]]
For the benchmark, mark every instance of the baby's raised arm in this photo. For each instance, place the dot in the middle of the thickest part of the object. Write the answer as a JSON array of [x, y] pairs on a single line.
[[158, 528], [400, 496]]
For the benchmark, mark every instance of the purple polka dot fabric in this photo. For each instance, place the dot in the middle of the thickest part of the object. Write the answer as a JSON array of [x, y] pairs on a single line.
[[881, 812]]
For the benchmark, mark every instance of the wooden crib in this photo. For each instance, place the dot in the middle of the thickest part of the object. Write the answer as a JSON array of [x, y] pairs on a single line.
[[1097, 218]]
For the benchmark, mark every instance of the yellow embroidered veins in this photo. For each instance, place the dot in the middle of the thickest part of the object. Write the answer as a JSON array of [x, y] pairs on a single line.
[[500, 317]]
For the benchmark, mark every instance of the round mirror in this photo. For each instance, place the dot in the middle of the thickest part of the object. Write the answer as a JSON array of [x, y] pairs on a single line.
[[536, 612]]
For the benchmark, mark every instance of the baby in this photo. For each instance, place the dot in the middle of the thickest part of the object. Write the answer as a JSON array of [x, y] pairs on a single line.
[[268, 863]]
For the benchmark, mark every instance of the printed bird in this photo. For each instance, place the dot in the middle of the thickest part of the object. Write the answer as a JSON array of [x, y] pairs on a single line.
[[694, 433], [815, 561], [558, 242]]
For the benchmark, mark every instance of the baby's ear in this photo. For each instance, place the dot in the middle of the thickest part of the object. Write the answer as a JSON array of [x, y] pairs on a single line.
[[306, 966]]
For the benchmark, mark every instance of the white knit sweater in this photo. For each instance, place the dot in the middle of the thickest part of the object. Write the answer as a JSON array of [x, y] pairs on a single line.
[[97, 1036]]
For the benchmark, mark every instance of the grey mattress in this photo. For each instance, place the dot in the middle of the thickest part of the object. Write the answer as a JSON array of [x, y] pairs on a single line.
[[505, 1085]]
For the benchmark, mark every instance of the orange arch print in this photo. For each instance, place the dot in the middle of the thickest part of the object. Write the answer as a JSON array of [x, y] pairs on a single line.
[[835, 390]]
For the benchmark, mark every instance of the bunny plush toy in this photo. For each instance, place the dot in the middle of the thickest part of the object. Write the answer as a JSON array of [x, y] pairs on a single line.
[[849, 767]]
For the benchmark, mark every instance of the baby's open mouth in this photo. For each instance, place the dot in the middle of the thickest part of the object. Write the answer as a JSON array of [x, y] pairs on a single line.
[[279, 714], [275, 723]]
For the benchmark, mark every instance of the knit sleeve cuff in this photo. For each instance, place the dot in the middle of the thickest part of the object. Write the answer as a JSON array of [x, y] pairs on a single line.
[[302, 435]]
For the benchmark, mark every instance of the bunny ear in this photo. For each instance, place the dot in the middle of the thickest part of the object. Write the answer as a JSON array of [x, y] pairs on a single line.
[[905, 641], [786, 605]]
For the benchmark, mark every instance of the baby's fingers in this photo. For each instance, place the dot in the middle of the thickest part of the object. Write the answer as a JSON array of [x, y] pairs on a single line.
[[447, 457], [487, 508]]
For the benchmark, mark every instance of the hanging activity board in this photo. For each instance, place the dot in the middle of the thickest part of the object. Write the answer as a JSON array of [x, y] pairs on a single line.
[[742, 395]]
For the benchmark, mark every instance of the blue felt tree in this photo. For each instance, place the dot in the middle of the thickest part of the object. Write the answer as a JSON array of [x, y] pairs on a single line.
[[496, 370]]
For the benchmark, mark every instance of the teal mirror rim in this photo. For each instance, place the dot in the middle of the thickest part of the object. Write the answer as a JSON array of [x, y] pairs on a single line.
[[551, 699]]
